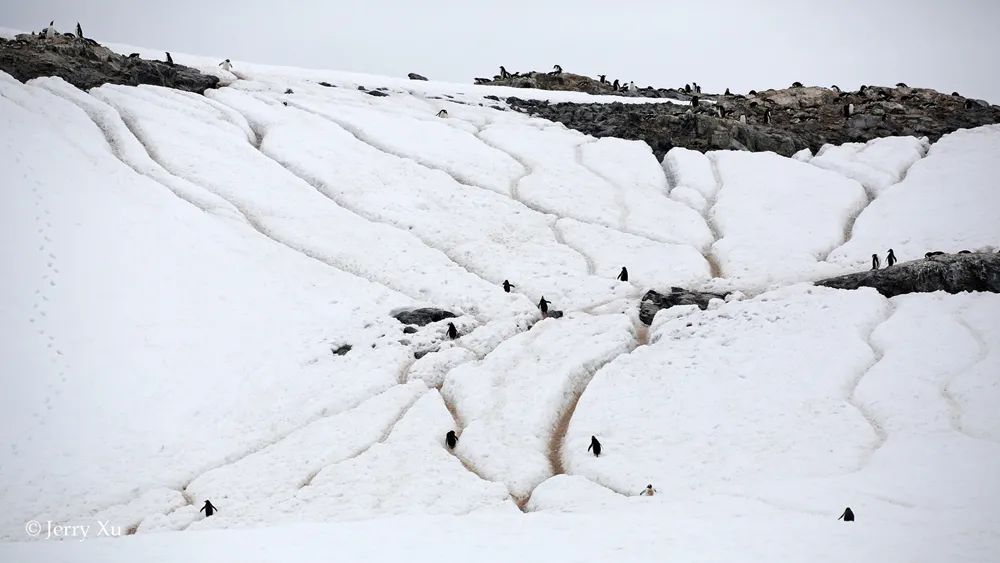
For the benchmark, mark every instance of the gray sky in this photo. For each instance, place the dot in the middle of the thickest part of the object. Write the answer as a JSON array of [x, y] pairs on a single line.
[[946, 45]]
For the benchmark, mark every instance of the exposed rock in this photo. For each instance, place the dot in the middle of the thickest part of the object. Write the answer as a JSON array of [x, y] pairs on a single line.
[[341, 350], [653, 301], [800, 118], [409, 330], [554, 315], [423, 317], [975, 271], [376, 93], [415, 76], [86, 64]]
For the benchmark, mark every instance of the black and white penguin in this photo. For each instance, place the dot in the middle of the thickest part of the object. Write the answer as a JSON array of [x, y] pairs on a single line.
[[848, 515], [835, 88], [226, 65], [170, 60], [452, 331], [556, 70], [767, 116], [615, 84], [603, 78], [648, 491], [451, 439], [727, 92], [503, 72], [208, 508], [632, 88], [848, 110], [595, 446], [543, 305], [442, 113], [623, 275], [79, 31], [50, 31], [875, 262], [890, 258], [507, 285], [694, 101]]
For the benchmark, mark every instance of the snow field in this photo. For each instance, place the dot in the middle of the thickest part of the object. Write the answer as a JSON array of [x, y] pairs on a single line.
[[511, 402], [877, 164]]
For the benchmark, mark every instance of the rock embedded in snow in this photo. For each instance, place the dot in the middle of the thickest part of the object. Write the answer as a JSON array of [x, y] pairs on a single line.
[[87, 64], [423, 317], [653, 301], [415, 76], [954, 273]]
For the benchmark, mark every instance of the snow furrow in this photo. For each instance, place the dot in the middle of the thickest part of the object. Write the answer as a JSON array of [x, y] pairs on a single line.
[[880, 434], [954, 406], [709, 215], [623, 208]]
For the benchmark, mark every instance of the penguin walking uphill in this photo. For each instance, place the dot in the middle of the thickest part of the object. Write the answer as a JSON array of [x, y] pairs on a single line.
[[623, 275], [451, 440], [507, 285], [595, 446], [543, 305], [848, 515]]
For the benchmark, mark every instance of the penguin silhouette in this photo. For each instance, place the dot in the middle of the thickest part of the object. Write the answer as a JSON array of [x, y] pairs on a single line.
[[595, 445], [623, 275], [170, 60], [848, 515], [875, 262], [209, 509], [890, 258], [452, 331], [451, 439], [507, 285], [543, 305]]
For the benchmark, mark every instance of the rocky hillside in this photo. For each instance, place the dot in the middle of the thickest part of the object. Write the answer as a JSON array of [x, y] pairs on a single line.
[[784, 121], [86, 64], [954, 273]]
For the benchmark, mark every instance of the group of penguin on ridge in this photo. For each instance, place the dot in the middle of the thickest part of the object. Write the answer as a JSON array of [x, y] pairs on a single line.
[[618, 86]]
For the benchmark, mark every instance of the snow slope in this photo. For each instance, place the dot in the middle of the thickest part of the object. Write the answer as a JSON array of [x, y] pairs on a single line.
[[185, 266]]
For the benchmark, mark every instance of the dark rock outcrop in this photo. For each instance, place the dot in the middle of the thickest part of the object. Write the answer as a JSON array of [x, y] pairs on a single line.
[[782, 121], [953, 273], [341, 350], [653, 301], [415, 76], [86, 64], [423, 317]]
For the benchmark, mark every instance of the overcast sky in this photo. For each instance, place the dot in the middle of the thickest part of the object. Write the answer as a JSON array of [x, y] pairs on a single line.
[[947, 45]]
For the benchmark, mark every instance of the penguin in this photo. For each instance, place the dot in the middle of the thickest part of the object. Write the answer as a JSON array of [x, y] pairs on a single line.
[[451, 439], [452, 331], [835, 88], [796, 84], [543, 305], [556, 70], [289, 91], [848, 110], [862, 88], [594, 445], [694, 101], [50, 31], [603, 78], [503, 72], [890, 259], [901, 85], [442, 113], [507, 285], [170, 60], [648, 491], [623, 275], [767, 116], [720, 110], [848, 515], [727, 92], [226, 65], [687, 88], [752, 93], [632, 88], [615, 84], [875, 262], [209, 509], [79, 31], [697, 87]]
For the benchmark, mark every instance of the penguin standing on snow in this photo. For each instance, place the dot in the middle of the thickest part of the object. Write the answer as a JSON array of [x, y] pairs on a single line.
[[623, 275], [209, 508], [875, 262], [594, 445], [451, 439], [226, 65], [848, 515], [543, 305], [443, 113], [890, 259], [648, 491], [507, 285], [452, 331]]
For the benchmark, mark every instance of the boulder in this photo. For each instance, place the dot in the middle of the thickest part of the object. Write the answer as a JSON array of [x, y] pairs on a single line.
[[653, 301], [423, 317], [86, 64], [953, 273], [415, 76]]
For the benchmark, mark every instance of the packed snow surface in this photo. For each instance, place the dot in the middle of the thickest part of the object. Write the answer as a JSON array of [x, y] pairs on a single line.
[[200, 307]]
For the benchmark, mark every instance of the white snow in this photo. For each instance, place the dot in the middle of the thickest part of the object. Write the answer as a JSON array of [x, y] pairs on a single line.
[[947, 202], [183, 266]]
